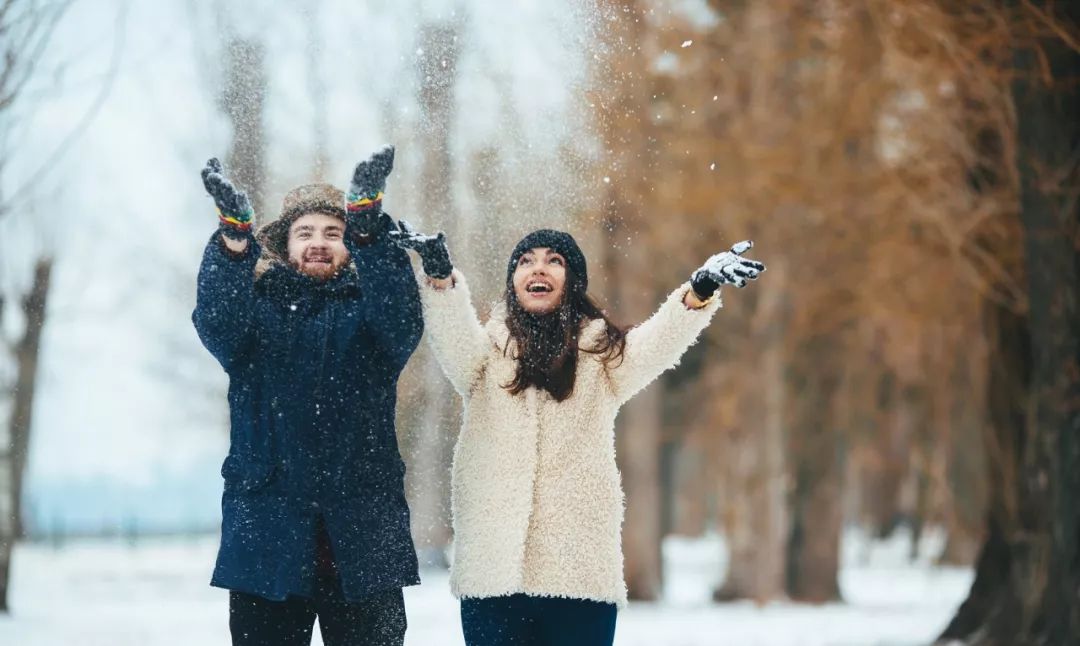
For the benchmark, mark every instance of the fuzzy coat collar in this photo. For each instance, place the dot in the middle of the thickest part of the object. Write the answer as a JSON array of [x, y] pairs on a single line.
[[281, 282]]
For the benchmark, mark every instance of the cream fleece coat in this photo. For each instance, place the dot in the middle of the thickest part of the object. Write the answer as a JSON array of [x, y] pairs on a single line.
[[537, 499]]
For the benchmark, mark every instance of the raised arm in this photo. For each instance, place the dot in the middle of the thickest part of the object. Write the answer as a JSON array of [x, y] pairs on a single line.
[[391, 303], [226, 283], [659, 343], [458, 340], [225, 300], [460, 344], [391, 300]]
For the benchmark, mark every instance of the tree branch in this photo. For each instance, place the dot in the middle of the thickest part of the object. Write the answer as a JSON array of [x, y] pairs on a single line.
[[80, 127]]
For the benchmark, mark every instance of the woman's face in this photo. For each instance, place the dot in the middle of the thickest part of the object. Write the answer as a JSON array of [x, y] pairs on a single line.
[[540, 280]]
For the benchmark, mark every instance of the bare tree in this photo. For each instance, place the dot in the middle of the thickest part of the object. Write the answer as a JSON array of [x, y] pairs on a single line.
[[25, 31], [26, 27]]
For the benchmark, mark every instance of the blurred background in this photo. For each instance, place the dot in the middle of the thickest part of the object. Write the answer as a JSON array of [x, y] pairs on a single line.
[[876, 443]]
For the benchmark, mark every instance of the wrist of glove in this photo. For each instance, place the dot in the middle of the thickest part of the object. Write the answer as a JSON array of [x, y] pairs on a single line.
[[704, 286], [236, 227], [433, 252], [367, 225]]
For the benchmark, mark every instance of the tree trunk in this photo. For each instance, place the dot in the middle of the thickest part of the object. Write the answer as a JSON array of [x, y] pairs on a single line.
[[1030, 593], [890, 447], [27, 354], [816, 452], [638, 433], [243, 101], [965, 457], [757, 536], [430, 485], [1006, 395], [915, 499], [1049, 145], [638, 437]]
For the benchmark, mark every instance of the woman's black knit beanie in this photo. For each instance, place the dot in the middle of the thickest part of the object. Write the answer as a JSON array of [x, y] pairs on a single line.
[[558, 241]]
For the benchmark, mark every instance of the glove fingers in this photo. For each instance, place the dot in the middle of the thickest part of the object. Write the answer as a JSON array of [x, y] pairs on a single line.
[[215, 185], [383, 161], [370, 174], [729, 274], [742, 247], [748, 269], [210, 178]]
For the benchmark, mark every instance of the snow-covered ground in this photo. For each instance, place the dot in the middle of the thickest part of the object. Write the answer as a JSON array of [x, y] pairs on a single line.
[[95, 593]]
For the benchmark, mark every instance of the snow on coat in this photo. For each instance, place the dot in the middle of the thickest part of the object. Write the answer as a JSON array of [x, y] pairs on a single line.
[[313, 370], [536, 495]]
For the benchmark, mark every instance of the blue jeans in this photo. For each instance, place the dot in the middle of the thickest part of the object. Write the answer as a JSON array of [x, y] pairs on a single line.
[[522, 620]]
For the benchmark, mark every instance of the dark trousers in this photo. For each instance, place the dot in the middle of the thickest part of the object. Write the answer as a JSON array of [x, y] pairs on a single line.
[[521, 620], [378, 620]]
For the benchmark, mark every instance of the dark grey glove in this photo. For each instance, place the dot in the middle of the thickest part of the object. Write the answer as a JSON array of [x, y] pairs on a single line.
[[235, 214], [233, 209], [726, 267], [363, 203], [432, 250]]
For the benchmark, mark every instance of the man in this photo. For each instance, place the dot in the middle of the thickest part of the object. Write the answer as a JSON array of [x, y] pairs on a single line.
[[313, 319]]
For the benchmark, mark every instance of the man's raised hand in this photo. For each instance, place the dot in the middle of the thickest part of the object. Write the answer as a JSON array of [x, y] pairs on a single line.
[[235, 214], [363, 203]]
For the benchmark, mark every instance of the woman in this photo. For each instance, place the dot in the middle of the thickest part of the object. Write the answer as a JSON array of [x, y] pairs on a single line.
[[537, 501]]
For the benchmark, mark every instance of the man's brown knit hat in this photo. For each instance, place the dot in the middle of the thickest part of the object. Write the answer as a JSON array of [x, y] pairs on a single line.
[[309, 198]]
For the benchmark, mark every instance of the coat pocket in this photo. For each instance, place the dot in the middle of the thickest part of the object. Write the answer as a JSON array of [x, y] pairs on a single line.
[[247, 475]]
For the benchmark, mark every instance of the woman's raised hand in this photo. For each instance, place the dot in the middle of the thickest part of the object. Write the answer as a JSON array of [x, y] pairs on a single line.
[[432, 250], [727, 267]]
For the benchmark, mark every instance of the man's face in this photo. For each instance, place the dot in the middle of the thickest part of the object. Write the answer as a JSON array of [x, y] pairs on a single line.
[[317, 245]]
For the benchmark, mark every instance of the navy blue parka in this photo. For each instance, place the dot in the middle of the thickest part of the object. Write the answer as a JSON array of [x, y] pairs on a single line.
[[313, 370]]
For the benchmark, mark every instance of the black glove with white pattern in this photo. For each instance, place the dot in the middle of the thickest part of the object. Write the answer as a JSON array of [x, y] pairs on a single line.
[[432, 249], [728, 267]]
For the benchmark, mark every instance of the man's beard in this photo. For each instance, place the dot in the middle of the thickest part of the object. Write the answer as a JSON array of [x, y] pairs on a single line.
[[323, 271]]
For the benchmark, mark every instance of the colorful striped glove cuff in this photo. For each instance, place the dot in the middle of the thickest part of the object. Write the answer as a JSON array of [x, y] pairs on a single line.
[[356, 203], [240, 222]]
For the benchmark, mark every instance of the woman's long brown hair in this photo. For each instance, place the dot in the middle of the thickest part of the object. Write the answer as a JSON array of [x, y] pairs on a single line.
[[547, 344]]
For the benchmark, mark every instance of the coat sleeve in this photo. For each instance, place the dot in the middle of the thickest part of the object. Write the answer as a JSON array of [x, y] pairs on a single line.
[[225, 300], [658, 344], [457, 339], [391, 302]]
